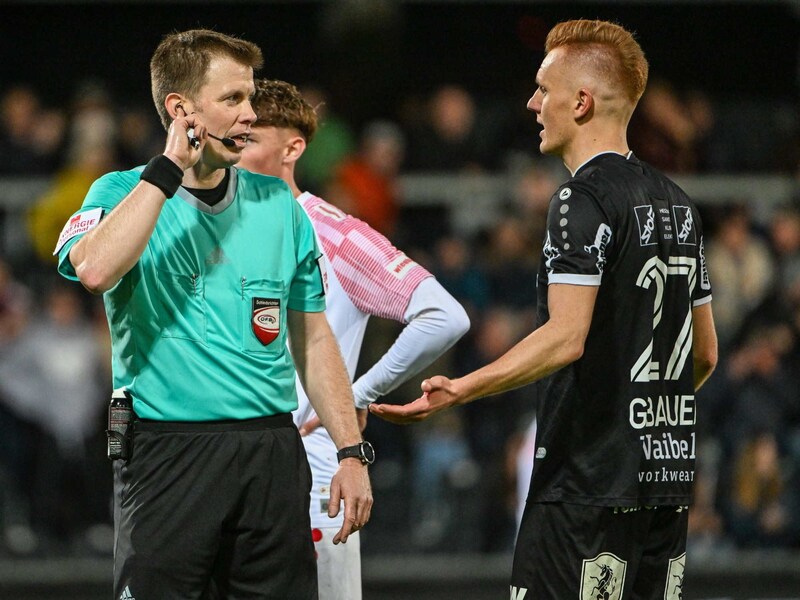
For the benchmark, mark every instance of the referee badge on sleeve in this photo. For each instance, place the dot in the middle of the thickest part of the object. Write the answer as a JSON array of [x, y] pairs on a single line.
[[78, 224], [266, 319]]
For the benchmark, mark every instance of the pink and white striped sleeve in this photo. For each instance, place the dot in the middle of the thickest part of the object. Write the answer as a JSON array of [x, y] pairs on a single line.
[[377, 277]]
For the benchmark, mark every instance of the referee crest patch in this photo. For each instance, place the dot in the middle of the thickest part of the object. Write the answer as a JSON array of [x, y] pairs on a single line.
[[603, 577], [266, 319]]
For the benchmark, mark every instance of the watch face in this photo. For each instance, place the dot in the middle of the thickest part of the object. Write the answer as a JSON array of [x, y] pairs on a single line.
[[367, 452]]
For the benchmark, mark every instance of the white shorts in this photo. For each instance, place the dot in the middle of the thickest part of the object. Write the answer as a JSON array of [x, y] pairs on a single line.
[[338, 567]]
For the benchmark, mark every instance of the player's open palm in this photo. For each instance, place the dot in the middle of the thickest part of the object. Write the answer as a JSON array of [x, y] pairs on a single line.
[[438, 393]]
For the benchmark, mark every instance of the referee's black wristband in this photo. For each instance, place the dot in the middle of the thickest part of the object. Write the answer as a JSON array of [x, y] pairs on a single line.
[[164, 174]]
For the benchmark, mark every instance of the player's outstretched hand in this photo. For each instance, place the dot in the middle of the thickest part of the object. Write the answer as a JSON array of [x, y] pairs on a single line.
[[437, 394], [351, 484]]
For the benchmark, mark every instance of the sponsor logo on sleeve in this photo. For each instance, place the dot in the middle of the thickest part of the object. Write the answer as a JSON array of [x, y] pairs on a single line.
[[601, 239], [550, 252], [77, 225], [705, 283], [266, 319], [400, 266], [684, 225]]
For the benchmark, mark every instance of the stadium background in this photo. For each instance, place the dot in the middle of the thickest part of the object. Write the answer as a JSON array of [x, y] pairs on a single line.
[[381, 60]]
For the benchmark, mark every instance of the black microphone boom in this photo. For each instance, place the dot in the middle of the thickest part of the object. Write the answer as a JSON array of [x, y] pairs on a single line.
[[226, 141]]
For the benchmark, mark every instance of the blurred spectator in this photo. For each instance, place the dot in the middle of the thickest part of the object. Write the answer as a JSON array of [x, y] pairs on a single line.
[[455, 267], [333, 143], [705, 531], [16, 433], [365, 185], [785, 239], [533, 187], [15, 303], [50, 381], [139, 137], [668, 131], [742, 269], [762, 512], [441, 463], [30, 135], [452, 138], [510, 267], [90, 154], [490, 426]]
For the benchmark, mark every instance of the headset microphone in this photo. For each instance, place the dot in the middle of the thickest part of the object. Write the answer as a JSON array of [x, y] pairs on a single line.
[[226, 141]]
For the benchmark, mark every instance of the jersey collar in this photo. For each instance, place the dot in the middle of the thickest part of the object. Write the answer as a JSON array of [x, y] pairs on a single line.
[[194, 201], [586, 162]]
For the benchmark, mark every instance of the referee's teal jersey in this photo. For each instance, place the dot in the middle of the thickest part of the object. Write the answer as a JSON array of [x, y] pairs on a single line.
[[198, 326]]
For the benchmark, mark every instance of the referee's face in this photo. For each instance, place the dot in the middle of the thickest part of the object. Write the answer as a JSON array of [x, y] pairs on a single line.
[[223, 104], [552, 103]]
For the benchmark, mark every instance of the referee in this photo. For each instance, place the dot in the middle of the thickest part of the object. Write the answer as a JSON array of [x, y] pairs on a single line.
[[625, 338], [206, 272]]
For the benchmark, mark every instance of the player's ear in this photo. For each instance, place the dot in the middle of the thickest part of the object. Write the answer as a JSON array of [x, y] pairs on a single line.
[[295, 146], [584, 104]]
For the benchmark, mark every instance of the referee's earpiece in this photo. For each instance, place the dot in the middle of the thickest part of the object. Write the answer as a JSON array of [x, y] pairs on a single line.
[[193, 141], [226, 141]]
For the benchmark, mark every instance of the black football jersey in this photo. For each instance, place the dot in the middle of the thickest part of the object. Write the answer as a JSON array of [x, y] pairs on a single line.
[[616, 427]]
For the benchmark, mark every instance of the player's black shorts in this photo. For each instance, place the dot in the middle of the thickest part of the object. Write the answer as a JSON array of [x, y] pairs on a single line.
[[214, 510], [571, 551]]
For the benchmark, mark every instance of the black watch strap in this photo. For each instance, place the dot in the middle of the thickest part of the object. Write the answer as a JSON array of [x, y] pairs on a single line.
[[362, 451]]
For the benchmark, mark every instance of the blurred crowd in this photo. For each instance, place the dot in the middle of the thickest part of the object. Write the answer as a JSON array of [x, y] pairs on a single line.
[[451, 484]]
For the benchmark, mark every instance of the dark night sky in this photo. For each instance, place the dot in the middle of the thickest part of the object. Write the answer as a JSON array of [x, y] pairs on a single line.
[[493, 49]]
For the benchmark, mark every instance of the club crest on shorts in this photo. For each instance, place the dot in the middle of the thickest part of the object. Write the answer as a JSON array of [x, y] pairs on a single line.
[[674, 588], [266, 319], [603, 577]]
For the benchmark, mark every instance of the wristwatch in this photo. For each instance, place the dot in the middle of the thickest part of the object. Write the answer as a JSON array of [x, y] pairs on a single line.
[[362, 451]]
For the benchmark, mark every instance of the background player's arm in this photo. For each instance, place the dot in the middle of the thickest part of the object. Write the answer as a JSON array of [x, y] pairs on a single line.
[[107, 252], [435, 321], [552, 346], [704, 344], [324, 377]]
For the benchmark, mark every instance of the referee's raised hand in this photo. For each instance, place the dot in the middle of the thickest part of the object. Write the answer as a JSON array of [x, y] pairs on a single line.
[[183, 131]]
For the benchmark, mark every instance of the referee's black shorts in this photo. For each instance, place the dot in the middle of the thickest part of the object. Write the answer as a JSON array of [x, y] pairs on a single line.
[[214, 510], [599, 553]]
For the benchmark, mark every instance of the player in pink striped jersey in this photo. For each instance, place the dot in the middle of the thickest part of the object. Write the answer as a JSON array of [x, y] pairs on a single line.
[[366, 276]]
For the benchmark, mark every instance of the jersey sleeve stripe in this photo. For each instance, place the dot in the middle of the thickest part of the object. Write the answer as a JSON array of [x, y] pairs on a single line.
[[574, 279]]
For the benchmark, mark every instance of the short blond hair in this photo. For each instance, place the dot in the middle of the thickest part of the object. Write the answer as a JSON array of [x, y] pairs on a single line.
[[180, 63], [612, 50]]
